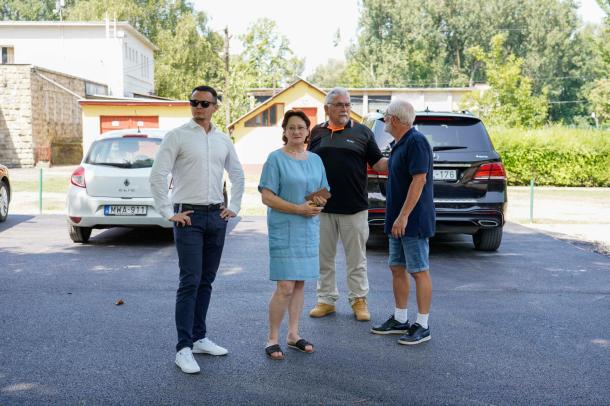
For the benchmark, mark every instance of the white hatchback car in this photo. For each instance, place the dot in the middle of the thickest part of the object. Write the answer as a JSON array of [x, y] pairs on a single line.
[[110, 187]]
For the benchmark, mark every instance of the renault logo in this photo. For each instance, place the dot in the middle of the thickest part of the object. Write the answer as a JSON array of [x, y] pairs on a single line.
[[126, 183]]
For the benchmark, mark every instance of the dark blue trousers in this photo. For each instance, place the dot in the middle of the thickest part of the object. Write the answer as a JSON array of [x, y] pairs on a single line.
[[199, 249]]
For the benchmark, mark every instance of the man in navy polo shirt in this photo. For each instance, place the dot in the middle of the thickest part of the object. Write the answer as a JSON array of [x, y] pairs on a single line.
[[409, 222]]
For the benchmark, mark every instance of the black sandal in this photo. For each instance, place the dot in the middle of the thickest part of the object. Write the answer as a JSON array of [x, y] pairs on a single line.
[[301, 345], [274, 348]]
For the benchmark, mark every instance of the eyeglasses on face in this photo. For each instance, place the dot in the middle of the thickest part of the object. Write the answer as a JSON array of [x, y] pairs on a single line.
[[203, 103], [340, 105]]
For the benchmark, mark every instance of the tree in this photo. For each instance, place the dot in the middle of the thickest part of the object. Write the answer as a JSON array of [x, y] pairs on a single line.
[[509, 102], [30, 10], [406, 43], [268, 55], [331, 74]]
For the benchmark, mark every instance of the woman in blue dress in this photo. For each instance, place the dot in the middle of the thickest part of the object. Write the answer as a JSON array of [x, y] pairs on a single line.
[[289, 174]]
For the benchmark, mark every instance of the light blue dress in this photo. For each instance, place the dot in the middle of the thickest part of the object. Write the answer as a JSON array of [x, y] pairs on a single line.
[[294, 240]]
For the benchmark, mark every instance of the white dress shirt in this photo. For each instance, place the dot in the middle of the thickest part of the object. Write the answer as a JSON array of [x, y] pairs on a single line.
[[196, 161]]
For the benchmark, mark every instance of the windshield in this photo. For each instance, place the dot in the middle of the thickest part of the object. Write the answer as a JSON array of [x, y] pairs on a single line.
[[442, 135], [127, 152]]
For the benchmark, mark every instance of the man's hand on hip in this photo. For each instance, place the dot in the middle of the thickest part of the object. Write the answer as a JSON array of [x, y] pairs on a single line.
[[183, 218], [226, 214]]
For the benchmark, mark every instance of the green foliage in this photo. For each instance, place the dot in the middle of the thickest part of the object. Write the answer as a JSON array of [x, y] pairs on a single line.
[[268, 55], [426, 43], [509, 101], [554, 156], [30, 10], [331, 74], [599, 97]]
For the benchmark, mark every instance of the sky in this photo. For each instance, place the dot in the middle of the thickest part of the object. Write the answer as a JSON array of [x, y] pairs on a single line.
[[311, 25]]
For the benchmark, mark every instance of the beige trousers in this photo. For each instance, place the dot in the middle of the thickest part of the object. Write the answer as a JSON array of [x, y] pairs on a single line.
[[353, 229]]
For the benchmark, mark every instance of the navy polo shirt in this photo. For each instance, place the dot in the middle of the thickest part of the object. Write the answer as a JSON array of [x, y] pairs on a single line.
[[410, 156]]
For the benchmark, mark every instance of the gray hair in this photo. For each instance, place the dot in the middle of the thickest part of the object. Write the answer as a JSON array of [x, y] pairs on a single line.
[[403, 110], [334, 92]]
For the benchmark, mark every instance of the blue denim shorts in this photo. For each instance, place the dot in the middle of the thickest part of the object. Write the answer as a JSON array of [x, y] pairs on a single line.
[[410, 252]]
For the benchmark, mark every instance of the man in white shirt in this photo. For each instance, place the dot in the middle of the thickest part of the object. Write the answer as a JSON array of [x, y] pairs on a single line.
[[196, 154]]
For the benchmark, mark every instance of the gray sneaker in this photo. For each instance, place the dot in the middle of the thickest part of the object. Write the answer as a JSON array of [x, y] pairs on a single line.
[[417, 334], [391, 326]]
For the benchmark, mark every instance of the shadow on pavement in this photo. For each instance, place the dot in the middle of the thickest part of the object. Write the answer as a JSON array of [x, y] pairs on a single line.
[[14, 219]]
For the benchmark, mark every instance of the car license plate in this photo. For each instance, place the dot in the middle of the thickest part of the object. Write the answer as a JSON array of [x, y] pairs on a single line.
[[116, 210], [445, 174]]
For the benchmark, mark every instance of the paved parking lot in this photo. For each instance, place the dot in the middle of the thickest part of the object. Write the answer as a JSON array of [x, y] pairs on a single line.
[[526, 325]]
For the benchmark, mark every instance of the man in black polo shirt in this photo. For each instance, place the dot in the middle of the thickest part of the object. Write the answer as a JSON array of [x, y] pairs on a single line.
[[345, 148], [409, 222]]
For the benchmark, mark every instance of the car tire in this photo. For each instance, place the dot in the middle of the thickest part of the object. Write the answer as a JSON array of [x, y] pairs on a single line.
[[80, 234], [4, 200], [487, 239]]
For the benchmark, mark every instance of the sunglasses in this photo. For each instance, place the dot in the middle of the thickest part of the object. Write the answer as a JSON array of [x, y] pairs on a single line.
[[203, 103]]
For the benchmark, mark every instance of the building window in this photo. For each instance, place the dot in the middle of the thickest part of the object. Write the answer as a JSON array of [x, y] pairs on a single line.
[[267, 118], [95, 89], [378, 102], [7, 55]]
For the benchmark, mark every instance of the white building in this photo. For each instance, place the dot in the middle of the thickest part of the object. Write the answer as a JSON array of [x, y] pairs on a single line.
[[112, 53]]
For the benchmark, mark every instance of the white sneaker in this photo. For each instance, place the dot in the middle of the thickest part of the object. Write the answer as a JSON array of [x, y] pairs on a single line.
[[207, 346], [186, 361]]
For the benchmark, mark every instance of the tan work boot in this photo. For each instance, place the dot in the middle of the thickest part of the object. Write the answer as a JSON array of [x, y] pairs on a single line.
[[361, 310], [321, 310]]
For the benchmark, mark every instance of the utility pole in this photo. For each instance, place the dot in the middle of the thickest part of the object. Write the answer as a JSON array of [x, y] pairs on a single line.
[[226, 100]]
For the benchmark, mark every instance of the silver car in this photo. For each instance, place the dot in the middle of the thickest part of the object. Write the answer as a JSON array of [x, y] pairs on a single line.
[[110, 188]]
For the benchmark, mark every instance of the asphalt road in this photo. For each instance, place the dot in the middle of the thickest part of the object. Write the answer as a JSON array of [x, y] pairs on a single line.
[[528, 324]]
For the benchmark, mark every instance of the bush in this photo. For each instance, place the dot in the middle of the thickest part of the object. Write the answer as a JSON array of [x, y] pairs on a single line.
[[554, 156]]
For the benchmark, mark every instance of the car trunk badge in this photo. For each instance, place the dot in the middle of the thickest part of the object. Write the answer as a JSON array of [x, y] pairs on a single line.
[[126, 183]]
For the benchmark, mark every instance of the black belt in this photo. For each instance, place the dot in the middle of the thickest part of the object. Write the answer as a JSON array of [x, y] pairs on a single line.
[[197, 207]]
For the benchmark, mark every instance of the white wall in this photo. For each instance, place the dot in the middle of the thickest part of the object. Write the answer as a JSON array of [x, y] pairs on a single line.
[[256, 146], [82, 51]]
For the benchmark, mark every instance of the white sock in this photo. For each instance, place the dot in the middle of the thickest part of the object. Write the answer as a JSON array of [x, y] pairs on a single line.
[[400, 315], [422, 319]]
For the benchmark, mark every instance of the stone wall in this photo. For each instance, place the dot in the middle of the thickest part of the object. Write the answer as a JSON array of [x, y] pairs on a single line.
[[56, 117], [39, 121], [16, 143]]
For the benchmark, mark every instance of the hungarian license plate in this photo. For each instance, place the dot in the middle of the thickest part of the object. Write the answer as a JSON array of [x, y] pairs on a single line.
[[445, 174], [121, 210]]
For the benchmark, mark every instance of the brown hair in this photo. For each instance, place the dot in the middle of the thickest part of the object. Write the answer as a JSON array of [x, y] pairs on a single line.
[[292, 113]]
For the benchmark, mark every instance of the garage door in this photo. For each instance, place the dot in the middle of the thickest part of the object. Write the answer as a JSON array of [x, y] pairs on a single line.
[[109, 123]]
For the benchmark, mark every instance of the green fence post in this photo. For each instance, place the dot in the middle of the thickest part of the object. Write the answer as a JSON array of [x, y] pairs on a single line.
[[40, 191], [532, 201]]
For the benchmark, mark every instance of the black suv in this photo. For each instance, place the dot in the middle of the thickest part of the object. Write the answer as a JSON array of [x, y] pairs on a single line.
[[469, 178]]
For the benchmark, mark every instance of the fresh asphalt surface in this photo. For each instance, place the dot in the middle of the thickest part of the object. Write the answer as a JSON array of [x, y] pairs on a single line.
[[528, 324]]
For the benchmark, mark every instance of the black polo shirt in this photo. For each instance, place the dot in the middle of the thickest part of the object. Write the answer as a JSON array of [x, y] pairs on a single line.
[[410, 156], [345, 154]]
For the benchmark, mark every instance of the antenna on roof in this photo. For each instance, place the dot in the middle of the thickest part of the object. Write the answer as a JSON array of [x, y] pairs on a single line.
[[427, 109]]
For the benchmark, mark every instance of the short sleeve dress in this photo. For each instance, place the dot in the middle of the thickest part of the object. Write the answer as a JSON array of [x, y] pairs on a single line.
[[294, 240]]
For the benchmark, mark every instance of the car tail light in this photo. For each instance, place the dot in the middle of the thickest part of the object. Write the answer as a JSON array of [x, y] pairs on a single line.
[[78, 177], [490, 171], [75, 219], [371, 171]]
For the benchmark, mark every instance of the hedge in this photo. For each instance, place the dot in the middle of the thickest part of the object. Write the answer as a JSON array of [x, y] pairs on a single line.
[[554, 156]]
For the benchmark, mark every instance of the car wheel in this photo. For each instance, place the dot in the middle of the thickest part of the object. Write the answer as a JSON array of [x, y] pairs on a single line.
[[487, 239], [80, 234], [3, 201]]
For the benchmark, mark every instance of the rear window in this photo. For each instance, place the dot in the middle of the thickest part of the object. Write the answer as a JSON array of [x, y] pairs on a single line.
[[442, 134], [128, 152]]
